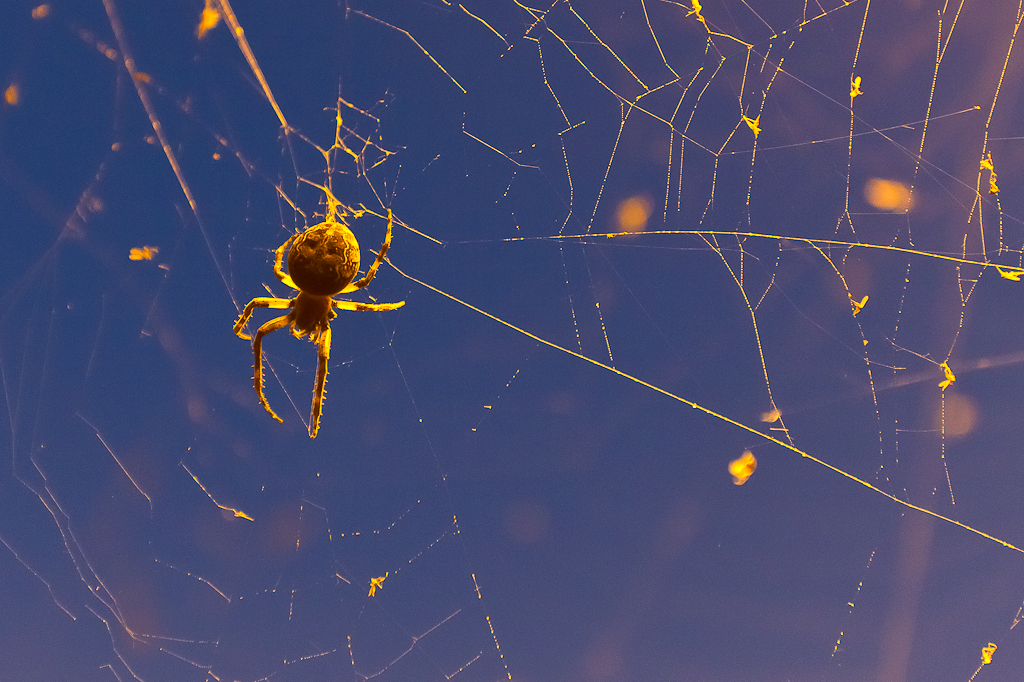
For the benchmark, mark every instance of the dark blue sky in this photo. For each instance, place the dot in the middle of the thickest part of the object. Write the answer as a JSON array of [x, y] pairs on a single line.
[[512, 492]]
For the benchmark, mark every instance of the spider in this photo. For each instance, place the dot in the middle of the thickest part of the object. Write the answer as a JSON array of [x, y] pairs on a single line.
[[322, 262]]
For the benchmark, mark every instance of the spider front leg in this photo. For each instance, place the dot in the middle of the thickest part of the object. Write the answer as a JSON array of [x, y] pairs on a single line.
[[352, 305], [263, 302], [359, 284], [279, 264]]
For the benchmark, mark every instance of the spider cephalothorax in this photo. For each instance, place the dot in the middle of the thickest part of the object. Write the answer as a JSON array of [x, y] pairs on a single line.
[[322, 262]]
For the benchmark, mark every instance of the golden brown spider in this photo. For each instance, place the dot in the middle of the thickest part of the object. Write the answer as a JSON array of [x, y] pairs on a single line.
[[322, 262]]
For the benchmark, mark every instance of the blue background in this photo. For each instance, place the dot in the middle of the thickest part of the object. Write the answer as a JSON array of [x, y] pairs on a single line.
[[499, 482]]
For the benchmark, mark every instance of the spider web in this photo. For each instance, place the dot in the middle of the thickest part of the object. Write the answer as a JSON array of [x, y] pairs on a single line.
[[634, 241]]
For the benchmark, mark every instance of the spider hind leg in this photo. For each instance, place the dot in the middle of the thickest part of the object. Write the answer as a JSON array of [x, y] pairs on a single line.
[[257, 348], [320, 389]]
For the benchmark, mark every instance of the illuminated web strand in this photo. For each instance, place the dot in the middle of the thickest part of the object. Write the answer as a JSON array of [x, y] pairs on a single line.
[[853, 602], [924, 131], [855, 91], [239, 35], [238, 513], [738, 279], [737, 273], [657, 43], [48, 584], [607, 47], [626, 101], [1014, 272], [495, 149], [414, 42], [197, 578], [139, 81], [711, 413], [493, 30], [872, 131], [853, 69], [119, 463], [857, 307], [988, 127]]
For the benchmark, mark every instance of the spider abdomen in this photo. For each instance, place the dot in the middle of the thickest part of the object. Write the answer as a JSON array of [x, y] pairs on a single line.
[[324, 259]]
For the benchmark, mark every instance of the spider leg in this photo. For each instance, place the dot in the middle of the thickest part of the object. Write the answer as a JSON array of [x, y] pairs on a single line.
[[279, 264], [352, 305], [264, 302], [320, 389], [359, 284], [257, 349]]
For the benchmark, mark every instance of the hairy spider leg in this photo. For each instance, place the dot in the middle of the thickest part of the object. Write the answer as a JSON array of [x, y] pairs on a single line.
[[352, 305], [324, 354], [319, 334], [263, 302], [279, 264], [320, 390], [359, 284], [257, 348], [272, 326]]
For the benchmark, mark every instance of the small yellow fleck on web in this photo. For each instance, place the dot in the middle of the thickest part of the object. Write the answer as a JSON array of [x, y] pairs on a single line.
[[696, 12], [377, 583], [950, 377], [743, 468], [143, 253], [987, 164], [753, 124], [986, 653], [855, 87], [1012, 274], [208, 20]]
